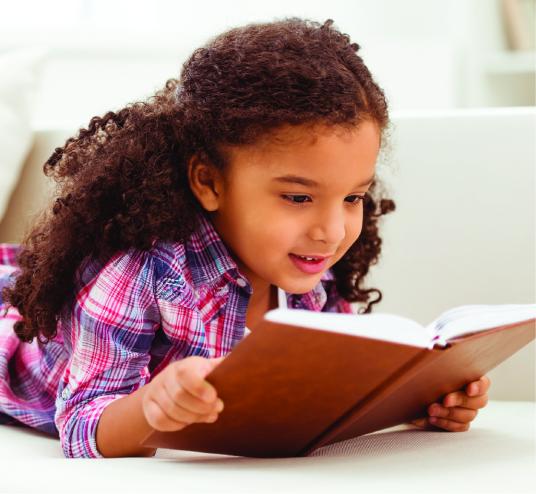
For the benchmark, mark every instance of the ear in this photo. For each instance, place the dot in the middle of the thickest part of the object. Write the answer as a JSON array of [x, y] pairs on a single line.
[[206, 183]]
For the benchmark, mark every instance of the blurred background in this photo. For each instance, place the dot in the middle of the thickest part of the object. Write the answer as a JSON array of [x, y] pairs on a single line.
[[91, 56]]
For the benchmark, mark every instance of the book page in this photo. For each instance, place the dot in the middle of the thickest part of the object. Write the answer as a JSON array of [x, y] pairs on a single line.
[[387, 327], [467, 319]]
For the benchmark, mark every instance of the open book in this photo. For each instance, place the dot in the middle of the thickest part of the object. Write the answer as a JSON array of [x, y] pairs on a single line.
[[305, 379]]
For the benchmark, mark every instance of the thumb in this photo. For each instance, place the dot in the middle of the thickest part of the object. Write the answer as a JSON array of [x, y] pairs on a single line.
[[212, 363]]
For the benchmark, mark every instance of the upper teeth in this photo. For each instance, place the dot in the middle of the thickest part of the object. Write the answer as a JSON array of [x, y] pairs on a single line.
[[308, 258]]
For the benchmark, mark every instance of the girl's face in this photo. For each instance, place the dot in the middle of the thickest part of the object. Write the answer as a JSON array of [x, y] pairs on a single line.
[[297, 194]]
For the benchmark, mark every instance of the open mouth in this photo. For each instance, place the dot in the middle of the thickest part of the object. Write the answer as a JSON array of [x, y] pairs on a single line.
[[309, 264], [313, 260]]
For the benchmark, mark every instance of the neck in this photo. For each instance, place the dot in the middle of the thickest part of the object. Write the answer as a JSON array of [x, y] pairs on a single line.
[[260, 304]]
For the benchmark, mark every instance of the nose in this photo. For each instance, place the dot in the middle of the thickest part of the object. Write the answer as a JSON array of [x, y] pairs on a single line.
[[329, 226]]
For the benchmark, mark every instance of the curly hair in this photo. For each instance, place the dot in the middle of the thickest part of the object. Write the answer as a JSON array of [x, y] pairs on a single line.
[[122, 182]]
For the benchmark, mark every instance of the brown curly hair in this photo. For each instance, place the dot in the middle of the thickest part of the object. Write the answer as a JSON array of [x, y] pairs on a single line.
[[122, 182]]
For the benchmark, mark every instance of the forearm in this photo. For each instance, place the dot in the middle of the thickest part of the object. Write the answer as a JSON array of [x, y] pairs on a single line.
[[122, 426]]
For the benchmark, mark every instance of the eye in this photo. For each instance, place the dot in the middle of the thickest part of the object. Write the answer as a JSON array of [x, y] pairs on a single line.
[[290, 198], [301, 199], [356, 201]]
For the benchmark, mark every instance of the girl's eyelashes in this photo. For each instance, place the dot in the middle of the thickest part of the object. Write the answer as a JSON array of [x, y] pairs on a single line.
[[357, 200], [290, 198]]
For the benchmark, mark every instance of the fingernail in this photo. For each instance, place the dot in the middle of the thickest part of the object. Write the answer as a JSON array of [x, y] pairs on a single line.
[[219, 406], [433, 420]]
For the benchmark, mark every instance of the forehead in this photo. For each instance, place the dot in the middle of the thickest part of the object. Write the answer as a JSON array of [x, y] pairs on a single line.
[[288, 138], [298, 149]]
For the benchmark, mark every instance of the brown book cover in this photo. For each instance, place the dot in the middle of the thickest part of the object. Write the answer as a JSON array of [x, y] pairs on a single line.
[[289, 390]]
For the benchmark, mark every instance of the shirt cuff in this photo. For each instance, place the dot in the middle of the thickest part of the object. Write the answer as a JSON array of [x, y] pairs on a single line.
[[79, 432]]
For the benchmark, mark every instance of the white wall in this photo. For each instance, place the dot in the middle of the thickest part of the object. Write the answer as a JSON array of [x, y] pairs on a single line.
[[102, 54]]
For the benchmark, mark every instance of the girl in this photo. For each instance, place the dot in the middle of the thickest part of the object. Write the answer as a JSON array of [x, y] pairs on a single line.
[[180, 221]]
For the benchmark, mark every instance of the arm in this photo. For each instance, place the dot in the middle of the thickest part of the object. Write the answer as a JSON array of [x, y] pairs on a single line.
[[109, 333], [177, 397], [122, 427], [106, 405]]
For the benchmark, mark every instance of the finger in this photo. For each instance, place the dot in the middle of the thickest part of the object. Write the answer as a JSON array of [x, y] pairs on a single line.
[[212, 364], [158, 419], [422, 422], [458, 414], [191, 377], [176, 413], [449, 425], [478, 387], [460, 399], [182, 397]]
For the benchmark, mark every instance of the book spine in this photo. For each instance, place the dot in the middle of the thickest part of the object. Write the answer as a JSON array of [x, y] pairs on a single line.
[[396, 379]]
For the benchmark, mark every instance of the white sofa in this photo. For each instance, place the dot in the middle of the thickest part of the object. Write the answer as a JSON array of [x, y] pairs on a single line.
[[463, 233]]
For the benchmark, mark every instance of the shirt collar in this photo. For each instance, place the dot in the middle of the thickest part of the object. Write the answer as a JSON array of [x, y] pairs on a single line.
[[209, 258], [210, 261], [314, 299]]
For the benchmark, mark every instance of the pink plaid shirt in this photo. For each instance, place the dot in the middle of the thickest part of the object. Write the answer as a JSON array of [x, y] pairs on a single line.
[[129, 318]]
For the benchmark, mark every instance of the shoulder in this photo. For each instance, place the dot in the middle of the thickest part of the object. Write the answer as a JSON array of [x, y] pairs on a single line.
[[165, 270], [116, 291], [123, 268], [172, 276], [163, 260]]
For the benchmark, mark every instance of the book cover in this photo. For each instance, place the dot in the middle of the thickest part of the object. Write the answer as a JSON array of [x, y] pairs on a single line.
[[289, 389]]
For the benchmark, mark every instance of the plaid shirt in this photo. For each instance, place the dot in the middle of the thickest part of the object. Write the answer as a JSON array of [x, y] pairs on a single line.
[[130, 317]]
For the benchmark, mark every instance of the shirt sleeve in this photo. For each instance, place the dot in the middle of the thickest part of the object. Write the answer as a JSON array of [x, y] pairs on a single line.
[[108, 332], [8, 265], [9, 253]]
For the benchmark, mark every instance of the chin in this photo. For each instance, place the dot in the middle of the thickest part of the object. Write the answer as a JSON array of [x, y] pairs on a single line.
[[299, 288]]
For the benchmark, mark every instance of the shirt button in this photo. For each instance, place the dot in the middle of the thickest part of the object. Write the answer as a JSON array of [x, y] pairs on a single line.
[[65, 394], [241, 282]]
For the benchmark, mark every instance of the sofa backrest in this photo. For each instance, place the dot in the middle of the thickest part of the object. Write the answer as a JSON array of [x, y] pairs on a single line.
[[464, 229]]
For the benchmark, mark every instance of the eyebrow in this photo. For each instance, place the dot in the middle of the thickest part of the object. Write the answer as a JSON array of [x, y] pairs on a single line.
[[295, 179]]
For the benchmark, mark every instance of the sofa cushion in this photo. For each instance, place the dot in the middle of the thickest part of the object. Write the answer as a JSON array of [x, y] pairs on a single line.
[[495, 455]]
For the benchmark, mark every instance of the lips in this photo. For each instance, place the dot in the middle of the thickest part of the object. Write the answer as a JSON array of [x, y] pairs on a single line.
[[315, 256], [309, 267]]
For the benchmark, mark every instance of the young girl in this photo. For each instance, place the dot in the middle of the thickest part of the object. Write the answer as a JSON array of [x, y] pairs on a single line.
[[178, 222]]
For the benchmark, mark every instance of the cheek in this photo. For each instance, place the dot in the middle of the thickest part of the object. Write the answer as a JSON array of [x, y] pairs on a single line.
[[275, 235], [356, 228], [354, 231]]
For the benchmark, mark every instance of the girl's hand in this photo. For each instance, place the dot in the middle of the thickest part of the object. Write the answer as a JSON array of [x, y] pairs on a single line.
[[459, 408], [179, 395]]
